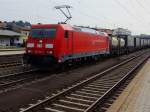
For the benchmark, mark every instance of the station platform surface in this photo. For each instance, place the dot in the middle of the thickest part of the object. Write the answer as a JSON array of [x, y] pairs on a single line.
[[136, 96], [11, 52]]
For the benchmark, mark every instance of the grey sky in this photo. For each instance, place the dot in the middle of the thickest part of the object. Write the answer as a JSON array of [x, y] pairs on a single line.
[[131, 14]]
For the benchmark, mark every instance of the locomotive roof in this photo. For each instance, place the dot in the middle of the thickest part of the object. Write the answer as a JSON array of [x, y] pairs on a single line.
[[64, 26], [69, 27]]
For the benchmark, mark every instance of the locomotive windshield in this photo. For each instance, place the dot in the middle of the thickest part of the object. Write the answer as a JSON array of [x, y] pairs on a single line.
[[43, 32]]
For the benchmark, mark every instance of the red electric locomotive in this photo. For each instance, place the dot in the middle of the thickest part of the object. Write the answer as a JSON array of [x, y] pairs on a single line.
[[49, 44]]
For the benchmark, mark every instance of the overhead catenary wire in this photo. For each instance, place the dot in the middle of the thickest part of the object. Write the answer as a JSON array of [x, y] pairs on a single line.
[[141, 5], [94, 19], [104, 18], [101, 17], [136, 19], [135, 8]]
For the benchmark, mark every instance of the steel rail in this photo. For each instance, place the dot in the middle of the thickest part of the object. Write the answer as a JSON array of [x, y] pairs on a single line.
[[103, 98], [15, 63], [11, 81], [79, 85]]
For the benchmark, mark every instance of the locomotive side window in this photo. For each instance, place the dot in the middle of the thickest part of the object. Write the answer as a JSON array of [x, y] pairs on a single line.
[[43, 32], [66, 34]]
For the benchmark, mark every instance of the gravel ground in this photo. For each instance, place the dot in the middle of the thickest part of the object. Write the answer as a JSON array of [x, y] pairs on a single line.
[[10, 58], [12, 100]]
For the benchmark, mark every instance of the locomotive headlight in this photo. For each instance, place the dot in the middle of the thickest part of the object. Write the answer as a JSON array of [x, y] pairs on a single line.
[[30, 45], [29, 51], [49, 45], [49, 52]]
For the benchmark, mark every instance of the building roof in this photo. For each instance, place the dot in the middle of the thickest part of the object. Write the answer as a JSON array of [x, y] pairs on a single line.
[[9, 33]]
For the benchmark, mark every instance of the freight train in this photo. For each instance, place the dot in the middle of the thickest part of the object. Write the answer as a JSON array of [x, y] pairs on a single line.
[[51, 44]]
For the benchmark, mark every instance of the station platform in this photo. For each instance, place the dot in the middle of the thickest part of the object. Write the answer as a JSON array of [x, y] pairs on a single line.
[[136, 96], [11, 52], [11, 49]]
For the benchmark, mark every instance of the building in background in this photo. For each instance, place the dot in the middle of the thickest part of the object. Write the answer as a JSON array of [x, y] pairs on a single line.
[[3, 25], [10, 38], [24, 34], [14, 33], [108, 31], [121, 31], [25, 31]]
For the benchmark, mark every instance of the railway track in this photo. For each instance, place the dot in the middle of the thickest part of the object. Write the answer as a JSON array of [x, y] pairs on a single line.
[[90, 93], [12, 80], [10, 64], [11, 68], [10, 60]]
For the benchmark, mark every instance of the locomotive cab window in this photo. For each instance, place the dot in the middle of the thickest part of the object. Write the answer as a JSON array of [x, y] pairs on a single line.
[[43, 32]]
